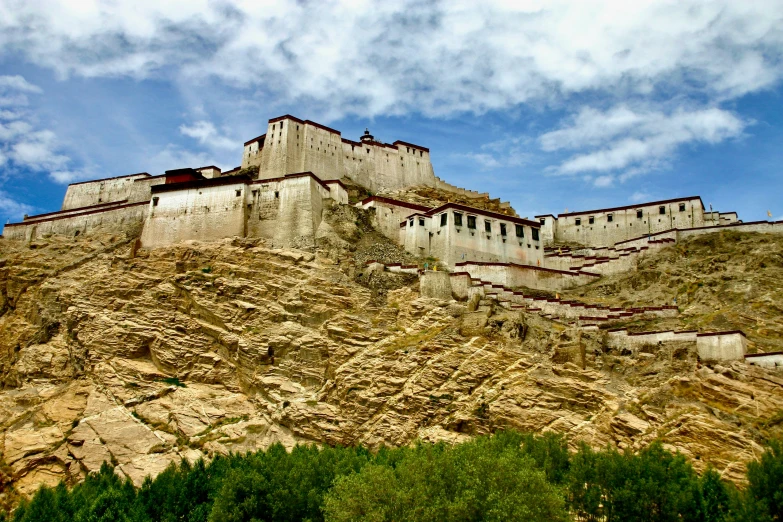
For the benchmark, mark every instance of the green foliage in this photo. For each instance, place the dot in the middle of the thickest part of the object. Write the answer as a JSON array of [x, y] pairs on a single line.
[[764, 495], [484, 479], [654, 484], [506, 476]]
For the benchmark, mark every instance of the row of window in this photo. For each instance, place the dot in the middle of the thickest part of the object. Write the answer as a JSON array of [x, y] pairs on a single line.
[[444, 220], [639, 215]]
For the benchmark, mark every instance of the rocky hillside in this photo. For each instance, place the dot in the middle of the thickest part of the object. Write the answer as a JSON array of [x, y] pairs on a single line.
[[721, 281], [144, 357]]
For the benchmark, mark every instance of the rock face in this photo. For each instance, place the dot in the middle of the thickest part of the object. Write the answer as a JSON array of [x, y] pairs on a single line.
[[202, 349]]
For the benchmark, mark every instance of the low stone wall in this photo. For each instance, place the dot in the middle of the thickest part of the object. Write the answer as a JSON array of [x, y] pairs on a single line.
[[460, 284], [772, 360], [622, 339], [71, 224], [768, 227], [722, 346], [711, 347], [513, 275], [435, 284]]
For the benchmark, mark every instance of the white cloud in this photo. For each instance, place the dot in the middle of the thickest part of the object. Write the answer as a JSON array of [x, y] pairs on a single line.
[[638, 196], [22, 145], [12, 209], [437, 58], [172, 157], [18, 83], [603, 181], [635, 140], [507, 152], [65, 177], [206, 134]]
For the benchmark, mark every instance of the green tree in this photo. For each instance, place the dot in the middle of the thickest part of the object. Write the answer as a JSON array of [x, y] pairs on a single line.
[[484, 479], [716, 501], [764, 493]]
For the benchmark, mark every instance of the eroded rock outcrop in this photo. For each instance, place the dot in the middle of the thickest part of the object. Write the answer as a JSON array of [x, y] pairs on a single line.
[[201, 349]]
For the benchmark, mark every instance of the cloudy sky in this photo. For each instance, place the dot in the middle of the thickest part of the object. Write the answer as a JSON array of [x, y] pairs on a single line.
[[549, 104]]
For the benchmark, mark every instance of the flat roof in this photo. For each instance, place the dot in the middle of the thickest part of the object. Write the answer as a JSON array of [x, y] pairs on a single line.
[[395, 202], [200, 183], [628, 207], [304, 122], [107, 179], [400, 142], [257, 138], [289, 176], [488, 213]]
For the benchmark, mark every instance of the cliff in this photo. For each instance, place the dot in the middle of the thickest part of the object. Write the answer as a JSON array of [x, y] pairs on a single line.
[[141, 358]]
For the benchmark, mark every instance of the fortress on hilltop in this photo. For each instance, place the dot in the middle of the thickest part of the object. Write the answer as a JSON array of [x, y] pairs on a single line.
[[298, 168]]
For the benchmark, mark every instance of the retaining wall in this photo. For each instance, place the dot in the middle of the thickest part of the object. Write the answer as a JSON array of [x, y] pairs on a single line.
[[772, 360]]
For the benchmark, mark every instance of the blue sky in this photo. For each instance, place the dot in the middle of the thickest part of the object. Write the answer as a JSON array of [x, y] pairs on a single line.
[[550, 105]]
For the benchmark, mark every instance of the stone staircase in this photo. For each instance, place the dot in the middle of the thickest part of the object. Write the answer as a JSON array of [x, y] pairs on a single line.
[[604, 260], [562, 310]]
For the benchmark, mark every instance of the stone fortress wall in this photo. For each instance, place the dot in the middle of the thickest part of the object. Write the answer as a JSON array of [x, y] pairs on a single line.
[[299, 167], [609, 226], [131, 188]]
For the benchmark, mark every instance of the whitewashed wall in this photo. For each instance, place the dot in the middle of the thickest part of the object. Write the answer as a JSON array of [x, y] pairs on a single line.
[[89, 193]]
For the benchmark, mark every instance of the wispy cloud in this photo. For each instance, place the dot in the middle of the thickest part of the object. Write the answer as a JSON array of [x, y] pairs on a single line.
[[207, 135], [24, 146], [638, 196], [507, 152], [635, 141], [12, 209]]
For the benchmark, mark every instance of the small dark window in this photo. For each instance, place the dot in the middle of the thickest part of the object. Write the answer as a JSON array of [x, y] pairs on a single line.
[[520, 231], [682, 207], [281, 125], [639, 214], [155, 201], [457, 219], [578, 221], [662, 210], [487, 226], [410, 223], [535, 234], [277, 194], [239, 193], [421, 222], [542, 221], [610, 217], [591, 220], [502, 229], [472, 222], [444, 218], [273, 126]]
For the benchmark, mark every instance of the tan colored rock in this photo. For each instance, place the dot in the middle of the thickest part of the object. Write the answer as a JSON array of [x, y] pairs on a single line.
[[154, 360]]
